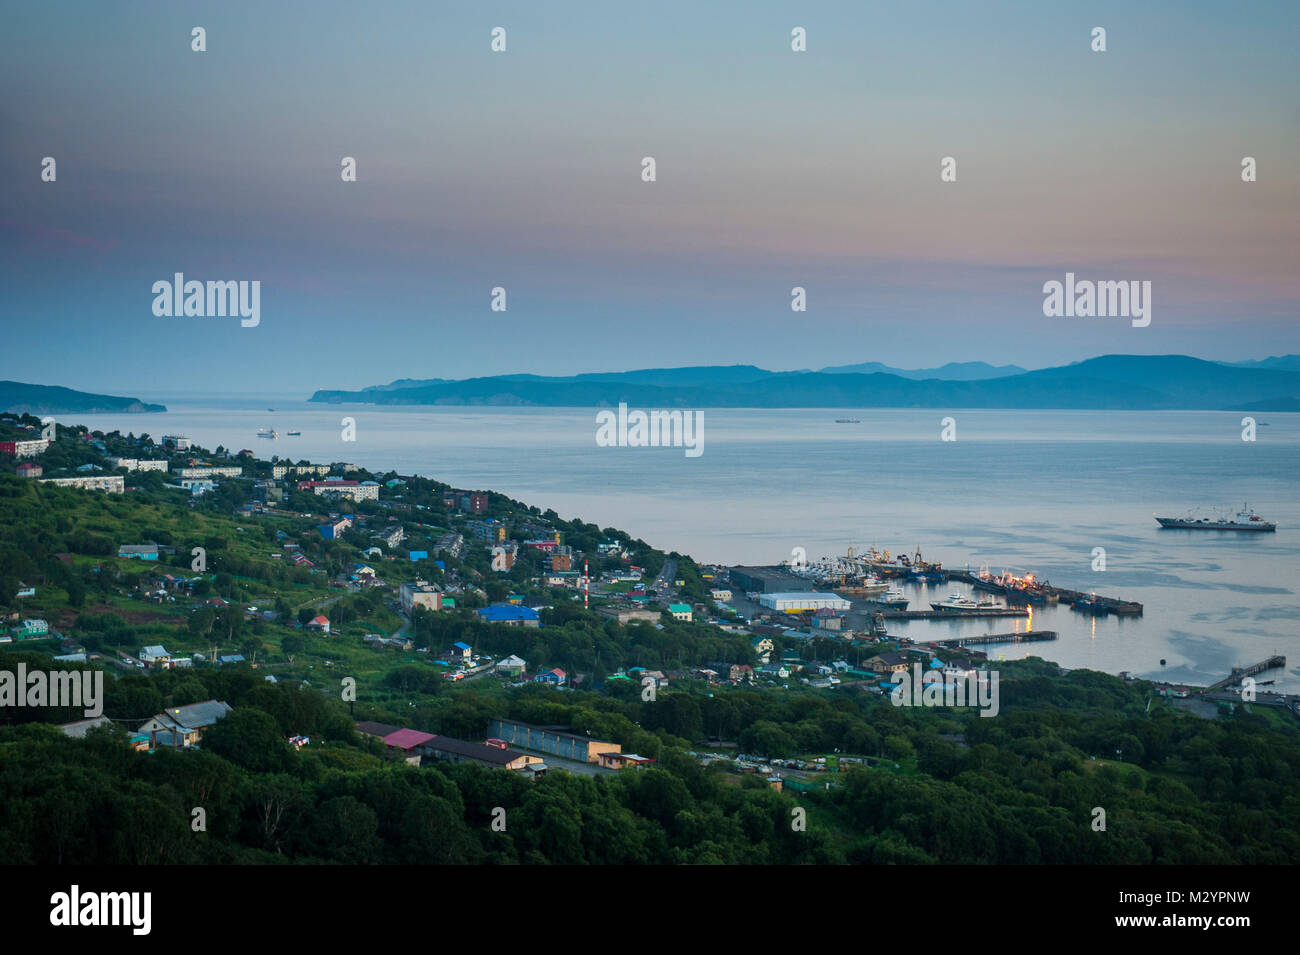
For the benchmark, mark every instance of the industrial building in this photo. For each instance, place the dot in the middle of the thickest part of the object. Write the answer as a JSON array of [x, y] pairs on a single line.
[[492, 755], [764, 580], [551, 740], [798, 602]]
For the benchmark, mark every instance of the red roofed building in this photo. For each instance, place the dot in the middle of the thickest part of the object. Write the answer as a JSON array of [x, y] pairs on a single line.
[[321, 623], [410, 742]]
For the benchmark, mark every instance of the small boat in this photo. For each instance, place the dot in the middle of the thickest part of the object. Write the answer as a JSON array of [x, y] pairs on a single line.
[[295, 434], [848, 421]]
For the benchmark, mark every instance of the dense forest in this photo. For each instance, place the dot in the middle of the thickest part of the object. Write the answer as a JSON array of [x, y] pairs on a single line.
[[950, 787]]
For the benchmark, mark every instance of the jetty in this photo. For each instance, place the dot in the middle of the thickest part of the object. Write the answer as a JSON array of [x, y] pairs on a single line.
[[1240, 673], [953, 614], [1027, 636]]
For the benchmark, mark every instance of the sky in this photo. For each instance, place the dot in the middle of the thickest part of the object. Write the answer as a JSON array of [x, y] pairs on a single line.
[[522, 169]]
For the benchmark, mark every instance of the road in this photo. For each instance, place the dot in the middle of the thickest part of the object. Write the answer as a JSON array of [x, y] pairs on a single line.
[[668, 574]]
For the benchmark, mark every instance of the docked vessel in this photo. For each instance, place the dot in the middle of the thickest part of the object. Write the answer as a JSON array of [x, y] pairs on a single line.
[[988, 581], [1245, 520], [892, 599], [1091, 604], [1028, 589], [956, 603]]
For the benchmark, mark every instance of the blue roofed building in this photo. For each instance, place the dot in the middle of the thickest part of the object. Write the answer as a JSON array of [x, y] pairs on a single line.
[[510, 615]]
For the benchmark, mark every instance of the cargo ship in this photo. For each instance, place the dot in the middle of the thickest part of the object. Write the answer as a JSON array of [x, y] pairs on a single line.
[[1245, 520]]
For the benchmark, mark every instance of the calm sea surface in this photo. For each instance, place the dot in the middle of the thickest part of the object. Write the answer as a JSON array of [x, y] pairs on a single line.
[[1021, 490]]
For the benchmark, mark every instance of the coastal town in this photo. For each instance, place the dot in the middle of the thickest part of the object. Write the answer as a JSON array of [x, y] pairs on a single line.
[[343, 571]]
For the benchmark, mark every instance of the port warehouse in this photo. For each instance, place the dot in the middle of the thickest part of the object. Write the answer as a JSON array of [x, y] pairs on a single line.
[[551, 740], [762, 580], [800, 601]]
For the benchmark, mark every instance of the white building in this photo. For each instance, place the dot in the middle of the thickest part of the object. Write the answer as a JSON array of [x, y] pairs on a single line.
[[179, 442], [354, 490], [136, 464], [113, 484], [209, 472], [720, 596], [798, 602], [28, 449]]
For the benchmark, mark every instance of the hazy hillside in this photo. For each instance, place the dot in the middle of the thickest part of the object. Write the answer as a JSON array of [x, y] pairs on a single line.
[[953, 371], [1134, 382], [22, 398]]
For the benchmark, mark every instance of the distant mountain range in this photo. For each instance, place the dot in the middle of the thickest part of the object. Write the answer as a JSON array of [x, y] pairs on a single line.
[[953, 371], [1122, 382], [20, 398]]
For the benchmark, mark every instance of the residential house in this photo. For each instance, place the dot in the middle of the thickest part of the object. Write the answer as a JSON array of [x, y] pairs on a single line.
[[888, 664], [680, 612], [623, 761], [78, 729], [156, 656], [183, 726], [555, 677], [138, 551], [320, 624], [512, 665]]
